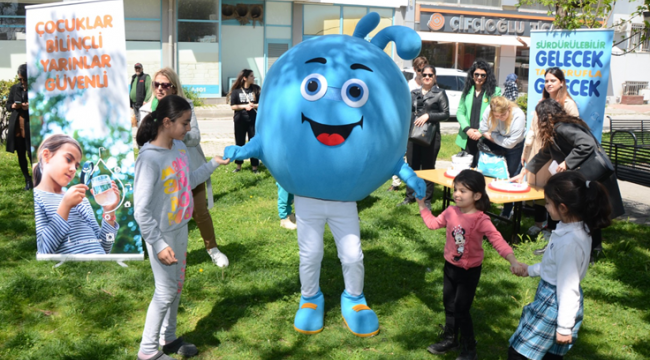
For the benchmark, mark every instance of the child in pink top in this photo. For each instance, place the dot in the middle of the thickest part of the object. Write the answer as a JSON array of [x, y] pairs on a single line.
[[466, 225]]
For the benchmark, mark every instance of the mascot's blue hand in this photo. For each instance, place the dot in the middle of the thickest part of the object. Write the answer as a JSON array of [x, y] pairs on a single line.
[[230, 152], [418, 185]]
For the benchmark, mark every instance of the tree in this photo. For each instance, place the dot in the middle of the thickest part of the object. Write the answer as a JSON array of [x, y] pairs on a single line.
[[592, 14]]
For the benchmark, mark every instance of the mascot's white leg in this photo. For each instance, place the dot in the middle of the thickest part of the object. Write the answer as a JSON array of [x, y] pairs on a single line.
[[311, 226], [343, 218]]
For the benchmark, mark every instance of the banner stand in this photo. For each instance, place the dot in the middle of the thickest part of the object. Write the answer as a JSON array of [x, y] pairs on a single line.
[[118, 258]]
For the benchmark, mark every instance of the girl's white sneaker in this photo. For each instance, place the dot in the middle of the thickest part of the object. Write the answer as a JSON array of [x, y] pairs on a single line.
[[218, 258]]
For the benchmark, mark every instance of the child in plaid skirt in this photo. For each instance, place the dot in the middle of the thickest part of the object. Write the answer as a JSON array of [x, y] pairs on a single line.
[[549, 325]]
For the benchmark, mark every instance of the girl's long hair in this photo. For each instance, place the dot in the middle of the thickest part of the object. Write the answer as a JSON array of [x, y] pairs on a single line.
[[500, 105], [172, 107], [475, 182], [550, 112], [563, 93], [585, 201], [239, 83], [490, 81], [52, 143], [170, 74]]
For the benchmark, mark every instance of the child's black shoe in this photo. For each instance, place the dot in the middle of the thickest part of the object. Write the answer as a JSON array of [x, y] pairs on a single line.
[[448, 341]]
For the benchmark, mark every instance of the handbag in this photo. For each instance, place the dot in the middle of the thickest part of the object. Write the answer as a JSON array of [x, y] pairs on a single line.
[[422, 135], [597, 166]]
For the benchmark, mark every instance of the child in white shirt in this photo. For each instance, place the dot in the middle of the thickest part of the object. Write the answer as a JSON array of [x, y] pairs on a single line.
[[549, 325]]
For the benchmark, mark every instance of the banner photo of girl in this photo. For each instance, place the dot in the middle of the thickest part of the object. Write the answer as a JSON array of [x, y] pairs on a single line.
[[80, 127]]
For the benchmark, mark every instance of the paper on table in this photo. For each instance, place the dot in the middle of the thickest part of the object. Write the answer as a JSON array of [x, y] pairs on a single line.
[[553, 167]]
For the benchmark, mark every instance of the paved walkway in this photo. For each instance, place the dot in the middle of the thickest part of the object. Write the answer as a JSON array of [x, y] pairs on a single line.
[[217, 132]]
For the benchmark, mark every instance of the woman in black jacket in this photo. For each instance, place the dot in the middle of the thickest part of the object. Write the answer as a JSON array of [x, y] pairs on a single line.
[[18, 137], [566, 139], [429, 105]]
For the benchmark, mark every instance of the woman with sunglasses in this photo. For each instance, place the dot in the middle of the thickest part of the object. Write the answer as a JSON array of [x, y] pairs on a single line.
[[244, 96], [18, 137], [480, 88], [429, 105], [165, 83]]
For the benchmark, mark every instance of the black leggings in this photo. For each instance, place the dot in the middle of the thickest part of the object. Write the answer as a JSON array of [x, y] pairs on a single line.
[[21, 150], [459, 288], [243, 128], [514, 355]]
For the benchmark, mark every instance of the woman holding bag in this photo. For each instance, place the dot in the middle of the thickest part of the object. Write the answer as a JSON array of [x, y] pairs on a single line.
[[18, 139], [568, 140], [429, 106]]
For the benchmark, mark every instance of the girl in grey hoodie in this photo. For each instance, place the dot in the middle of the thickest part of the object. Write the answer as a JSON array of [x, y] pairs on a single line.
[[163, 207]]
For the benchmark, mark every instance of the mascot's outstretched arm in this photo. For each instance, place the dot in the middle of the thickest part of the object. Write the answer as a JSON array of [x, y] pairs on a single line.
[[404, 172], [253, 149]]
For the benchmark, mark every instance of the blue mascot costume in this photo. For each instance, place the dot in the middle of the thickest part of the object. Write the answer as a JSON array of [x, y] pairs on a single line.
[[332, 127]]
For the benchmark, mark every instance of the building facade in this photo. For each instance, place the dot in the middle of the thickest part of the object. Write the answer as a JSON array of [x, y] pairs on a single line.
[[209, 42]]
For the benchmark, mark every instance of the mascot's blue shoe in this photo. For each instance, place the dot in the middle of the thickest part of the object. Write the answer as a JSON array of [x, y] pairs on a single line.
[[359, 318], [309, 318]]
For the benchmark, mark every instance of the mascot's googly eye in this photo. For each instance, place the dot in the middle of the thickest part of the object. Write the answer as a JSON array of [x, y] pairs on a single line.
[[354, 93], [313, 87]]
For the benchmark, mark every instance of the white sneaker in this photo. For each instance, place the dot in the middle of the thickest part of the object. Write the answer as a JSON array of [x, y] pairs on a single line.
[[287, 224], [218, 258]]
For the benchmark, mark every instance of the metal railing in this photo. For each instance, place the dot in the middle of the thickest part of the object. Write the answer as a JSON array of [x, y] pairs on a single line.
[[633, 87]]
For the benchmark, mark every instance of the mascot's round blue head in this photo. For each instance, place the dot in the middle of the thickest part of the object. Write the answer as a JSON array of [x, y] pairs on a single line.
[[334, 113]]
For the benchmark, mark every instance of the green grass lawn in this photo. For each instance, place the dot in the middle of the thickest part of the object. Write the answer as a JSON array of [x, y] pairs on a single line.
[[96, 310]]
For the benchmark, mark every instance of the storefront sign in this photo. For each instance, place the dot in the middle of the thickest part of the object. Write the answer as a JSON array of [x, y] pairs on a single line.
[[584, 57], [486, 23], [78, 94]]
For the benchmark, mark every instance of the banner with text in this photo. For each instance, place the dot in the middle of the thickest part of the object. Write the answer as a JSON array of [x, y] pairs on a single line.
[[80, 119], [584, 57]]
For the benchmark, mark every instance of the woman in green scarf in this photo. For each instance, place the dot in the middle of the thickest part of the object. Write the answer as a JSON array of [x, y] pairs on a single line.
[[480, 88]]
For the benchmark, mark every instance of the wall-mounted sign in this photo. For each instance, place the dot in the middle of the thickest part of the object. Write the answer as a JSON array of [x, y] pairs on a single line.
[[455, 20]]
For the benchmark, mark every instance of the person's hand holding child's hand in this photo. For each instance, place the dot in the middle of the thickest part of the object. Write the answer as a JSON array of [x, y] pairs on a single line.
[[562, 339], [221, 161], [421, 204]]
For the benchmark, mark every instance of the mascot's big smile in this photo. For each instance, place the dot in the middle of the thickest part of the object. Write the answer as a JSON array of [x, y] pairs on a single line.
[[331, 135]]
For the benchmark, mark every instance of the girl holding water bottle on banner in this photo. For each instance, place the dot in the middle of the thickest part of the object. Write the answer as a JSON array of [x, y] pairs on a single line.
[[65, 221]]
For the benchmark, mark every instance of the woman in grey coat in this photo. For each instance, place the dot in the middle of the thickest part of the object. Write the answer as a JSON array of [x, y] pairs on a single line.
[[566, 140]]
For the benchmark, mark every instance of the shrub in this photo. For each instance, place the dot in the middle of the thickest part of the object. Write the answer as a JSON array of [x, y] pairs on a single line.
[[522, 102], [193, 95], [5, 86]]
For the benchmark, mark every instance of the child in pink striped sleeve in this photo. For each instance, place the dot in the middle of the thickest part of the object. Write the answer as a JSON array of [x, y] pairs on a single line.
[[466, 224]]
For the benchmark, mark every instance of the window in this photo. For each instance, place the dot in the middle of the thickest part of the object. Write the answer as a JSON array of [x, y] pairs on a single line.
[[325, 20], [449, 82], [636, 42], [439, 55], [494, 3], [198, 46], [521, 68], [142, 20], [321, 20]]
